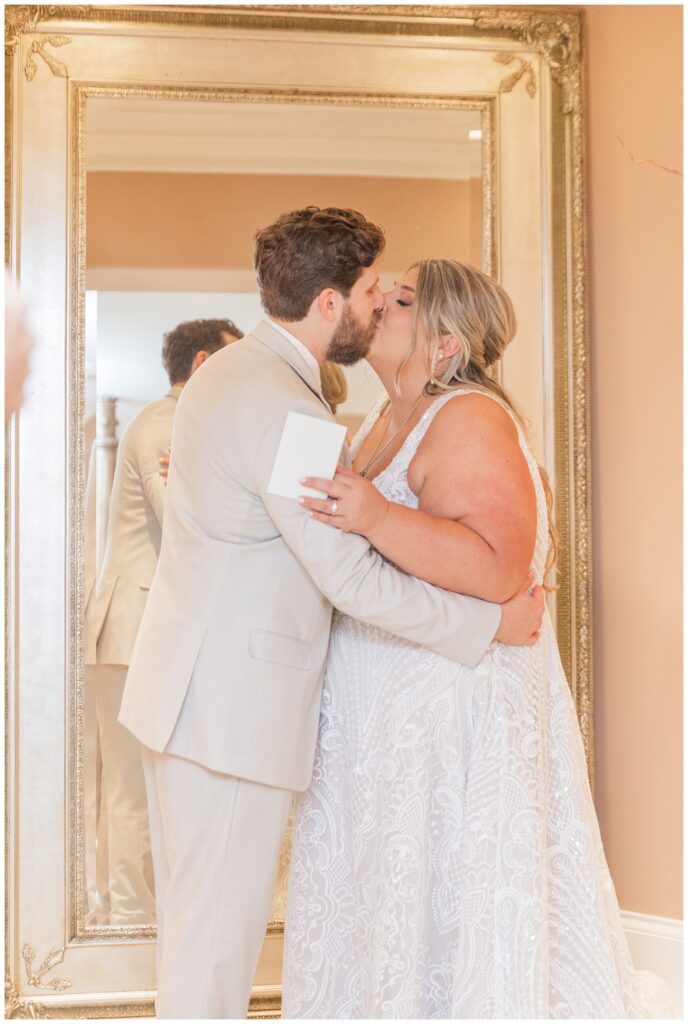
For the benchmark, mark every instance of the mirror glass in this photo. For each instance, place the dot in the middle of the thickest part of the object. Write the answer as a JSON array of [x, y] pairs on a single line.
[[175, 193]]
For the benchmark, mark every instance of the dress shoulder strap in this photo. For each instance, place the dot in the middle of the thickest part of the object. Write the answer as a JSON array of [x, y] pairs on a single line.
[[368, 424], [442, 400]]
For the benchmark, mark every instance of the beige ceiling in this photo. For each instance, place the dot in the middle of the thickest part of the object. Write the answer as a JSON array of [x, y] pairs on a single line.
[[276, 138]]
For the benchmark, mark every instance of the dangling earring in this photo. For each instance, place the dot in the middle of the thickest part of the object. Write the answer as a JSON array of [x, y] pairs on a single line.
[[433, 369]]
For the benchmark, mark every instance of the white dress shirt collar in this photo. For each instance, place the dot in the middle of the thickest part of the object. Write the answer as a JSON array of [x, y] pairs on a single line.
[[299, 346]]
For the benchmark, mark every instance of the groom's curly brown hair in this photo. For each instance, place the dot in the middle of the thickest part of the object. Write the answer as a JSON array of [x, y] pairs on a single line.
[[180, 345], [308, 250]]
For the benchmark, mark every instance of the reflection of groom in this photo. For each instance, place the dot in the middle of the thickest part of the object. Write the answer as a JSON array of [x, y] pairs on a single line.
[[225, 680]]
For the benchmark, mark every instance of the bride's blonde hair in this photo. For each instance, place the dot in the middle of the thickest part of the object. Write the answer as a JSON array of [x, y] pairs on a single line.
[[454, 298]]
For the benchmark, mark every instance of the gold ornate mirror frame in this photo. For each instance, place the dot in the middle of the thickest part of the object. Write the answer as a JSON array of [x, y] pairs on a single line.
[[521, 68]]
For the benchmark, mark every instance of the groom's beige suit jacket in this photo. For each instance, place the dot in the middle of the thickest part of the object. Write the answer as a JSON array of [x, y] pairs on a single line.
[[115, 605], [229, 660]]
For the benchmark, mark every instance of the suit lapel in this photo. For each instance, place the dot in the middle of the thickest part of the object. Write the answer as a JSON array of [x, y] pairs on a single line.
[[277, 343], [281, 347]]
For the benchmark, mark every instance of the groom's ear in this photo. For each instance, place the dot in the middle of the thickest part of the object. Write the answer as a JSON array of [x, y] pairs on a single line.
[[328, 304]]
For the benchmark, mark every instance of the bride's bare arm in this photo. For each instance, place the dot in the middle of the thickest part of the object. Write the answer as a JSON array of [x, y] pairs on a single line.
[[474, 530]]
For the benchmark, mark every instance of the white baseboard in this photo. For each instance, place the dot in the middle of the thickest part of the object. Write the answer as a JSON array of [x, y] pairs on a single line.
[[656, 944]]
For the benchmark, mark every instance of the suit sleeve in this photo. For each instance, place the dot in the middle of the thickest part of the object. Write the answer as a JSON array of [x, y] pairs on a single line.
[[358, 581], [148, 453]]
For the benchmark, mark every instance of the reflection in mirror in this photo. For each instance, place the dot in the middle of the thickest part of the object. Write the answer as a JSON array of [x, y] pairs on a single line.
[[175, 193]]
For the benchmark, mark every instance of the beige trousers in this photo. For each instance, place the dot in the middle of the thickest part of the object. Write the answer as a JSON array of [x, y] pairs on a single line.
[[123, 803], [95, 823], [215, 841]]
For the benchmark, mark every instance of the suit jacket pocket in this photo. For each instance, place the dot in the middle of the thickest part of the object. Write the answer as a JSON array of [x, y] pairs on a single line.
[[279, 648], [146, 578]]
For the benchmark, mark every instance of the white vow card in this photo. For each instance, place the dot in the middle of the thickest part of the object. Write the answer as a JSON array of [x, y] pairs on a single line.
[[309, 446]]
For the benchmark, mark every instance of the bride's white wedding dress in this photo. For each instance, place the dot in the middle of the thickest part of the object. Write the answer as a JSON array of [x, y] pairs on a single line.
[[447, 859]]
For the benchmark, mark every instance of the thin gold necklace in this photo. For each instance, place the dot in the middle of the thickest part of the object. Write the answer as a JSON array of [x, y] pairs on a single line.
[[378, 453]]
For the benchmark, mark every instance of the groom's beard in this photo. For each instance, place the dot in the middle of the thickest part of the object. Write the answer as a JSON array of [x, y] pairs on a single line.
[[351, 339]]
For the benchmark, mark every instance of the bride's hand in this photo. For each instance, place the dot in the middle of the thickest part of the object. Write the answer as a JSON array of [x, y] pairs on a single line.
[[354, 504], [164, 461]]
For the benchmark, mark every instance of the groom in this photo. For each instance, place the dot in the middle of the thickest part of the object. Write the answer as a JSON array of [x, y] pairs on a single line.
[[224, 684]]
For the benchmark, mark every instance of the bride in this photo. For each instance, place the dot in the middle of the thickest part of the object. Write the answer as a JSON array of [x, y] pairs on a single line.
[[447, 860]]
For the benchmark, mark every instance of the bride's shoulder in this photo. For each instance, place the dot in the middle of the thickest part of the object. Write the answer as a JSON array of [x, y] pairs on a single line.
[[472, 412], [471, 435]]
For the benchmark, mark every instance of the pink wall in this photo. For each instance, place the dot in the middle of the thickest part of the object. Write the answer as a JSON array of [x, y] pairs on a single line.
[[208, 220], [633, 61]]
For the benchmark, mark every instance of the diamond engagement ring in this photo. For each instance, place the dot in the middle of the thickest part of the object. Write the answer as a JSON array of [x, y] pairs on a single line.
[[333, 508]]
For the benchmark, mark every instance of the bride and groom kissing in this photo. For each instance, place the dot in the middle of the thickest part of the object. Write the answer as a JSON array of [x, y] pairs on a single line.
[[384, 653]]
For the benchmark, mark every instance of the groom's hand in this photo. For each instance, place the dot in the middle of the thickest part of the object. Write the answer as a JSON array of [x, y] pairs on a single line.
[[522, 616]]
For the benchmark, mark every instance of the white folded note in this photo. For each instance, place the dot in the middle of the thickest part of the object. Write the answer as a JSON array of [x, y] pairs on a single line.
[[309, 446]]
